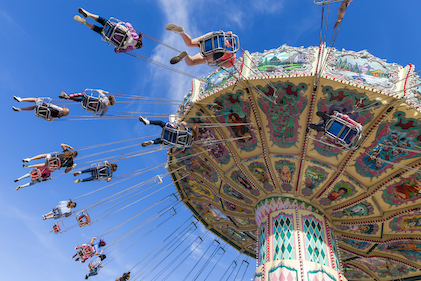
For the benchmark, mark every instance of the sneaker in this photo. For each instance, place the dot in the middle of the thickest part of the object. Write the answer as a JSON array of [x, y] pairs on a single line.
[[77, 181], [77, 173], [16, 180], [26, 160], [25, 166], [19, 187], [18, 99], [144, 120], [43, 217], [146, 143], [79, 19], [178, 58], [174, 28], [16, 108], [63, 95], [86, 276], [83, 12]]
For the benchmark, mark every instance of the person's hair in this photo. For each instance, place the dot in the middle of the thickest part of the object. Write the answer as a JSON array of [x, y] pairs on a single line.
[[101, 243], [114, 167], [70, 204], [102, 257], [68, 154], [195, 132], [111, 99], [65, 111], [139, 43]]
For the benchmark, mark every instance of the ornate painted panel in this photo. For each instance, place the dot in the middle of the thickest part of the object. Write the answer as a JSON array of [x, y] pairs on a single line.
[[366, 229], [406, 223], [357, 244], [234, 110], [362, 209], [409, 249], [384, 268], [238, 177], [281, 272], [231, 192], [259, 171], [210, 213], [283, 114]]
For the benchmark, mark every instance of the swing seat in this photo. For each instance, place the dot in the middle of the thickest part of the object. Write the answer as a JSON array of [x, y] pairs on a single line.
[[42, 108], [345, 133], [100, 171], [115, 33], [83, 218], [58, 228], [225, 44], [176, 138], [35, 174], [88, 251], [90, 101], [53, 162]]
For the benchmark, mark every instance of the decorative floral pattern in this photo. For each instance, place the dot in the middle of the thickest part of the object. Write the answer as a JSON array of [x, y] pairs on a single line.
[[404, 223]]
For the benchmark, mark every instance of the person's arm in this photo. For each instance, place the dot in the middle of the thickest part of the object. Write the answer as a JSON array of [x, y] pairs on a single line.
[[92, 241], [68, 214], [68, 169], [132, 31], [64, 146], [178, 151], [184, 124], [106, 163]]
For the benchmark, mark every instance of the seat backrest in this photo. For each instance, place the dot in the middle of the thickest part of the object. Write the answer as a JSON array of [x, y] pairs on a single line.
[[100, 172], [114, 33], [91, 103], [176, 138]]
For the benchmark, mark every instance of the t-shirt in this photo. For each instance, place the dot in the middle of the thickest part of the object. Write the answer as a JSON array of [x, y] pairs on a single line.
[[124, 277], [45, 173], [95, 263], [65, 162], [62, 205], [103, 100]]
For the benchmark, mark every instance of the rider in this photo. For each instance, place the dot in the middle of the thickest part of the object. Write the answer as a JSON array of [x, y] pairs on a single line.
[[56, 111], [110, 169], [95, 249], [63, 209], [194, 130], [103, 99], [134, 40], [94, 265], [66, 159], [224, 58], [124, 277], [37, 175]]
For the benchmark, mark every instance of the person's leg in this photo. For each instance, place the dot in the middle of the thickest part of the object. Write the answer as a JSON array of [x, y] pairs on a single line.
[[319, 128], [158, 123], [29, 108], [86, 171], [39, 156], [35, 165], [29, 99], [87, 179], [22, 177], [157, 141], [198, 59], [78, 97]]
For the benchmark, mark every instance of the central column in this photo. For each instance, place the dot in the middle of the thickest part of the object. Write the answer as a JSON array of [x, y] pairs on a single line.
[[296, 242]]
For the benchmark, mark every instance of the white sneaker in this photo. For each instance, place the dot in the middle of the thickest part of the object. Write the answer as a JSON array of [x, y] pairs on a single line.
[[77, 173], [18, 99], [16, 108], [79, 19], [26, 160], [144, 120], [146, 143], [174, 28], [77, 181]]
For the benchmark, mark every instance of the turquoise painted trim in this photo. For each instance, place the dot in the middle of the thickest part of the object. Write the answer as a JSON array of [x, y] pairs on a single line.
[[320, 270], [284, 266]]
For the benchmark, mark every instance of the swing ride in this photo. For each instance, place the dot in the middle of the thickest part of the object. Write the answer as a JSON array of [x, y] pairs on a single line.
[[339, 203]]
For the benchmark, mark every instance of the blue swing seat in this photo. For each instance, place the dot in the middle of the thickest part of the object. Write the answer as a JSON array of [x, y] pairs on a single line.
[[114, 33], [176, 138], [219, 42], [345, 134]]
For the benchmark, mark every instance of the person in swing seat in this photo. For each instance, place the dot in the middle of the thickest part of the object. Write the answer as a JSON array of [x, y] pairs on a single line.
[[64, 159], [55, 110], [220, 58], [106, 167], [103, 99], [37, 175], [96, 251], [63, 209], [133, 40]]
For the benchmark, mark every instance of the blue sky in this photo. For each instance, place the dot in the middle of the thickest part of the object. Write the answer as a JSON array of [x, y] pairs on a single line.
[[43, 51]]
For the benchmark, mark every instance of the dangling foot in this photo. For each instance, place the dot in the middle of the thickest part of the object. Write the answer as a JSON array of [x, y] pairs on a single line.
[[63, 95], [84, 12], [174, 28], [16, 108], [19, 187], [43, 217], [26, 160], [16, 180], [86, 276], [79, 19], [18, 99], [26, 166], [144, 120], [178, 58], [146, 143], [77, 181], [77, 173]]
